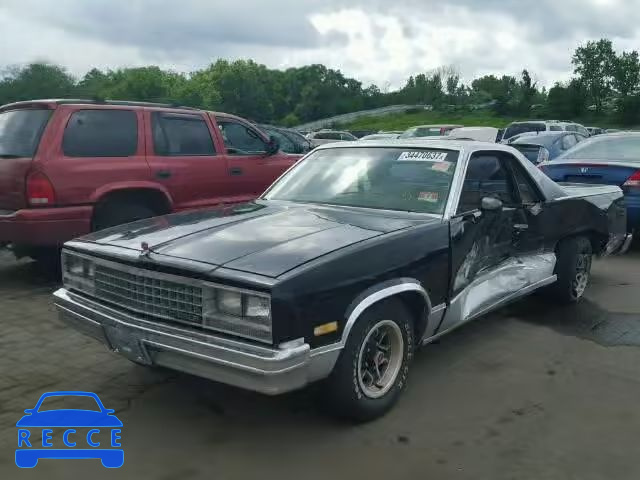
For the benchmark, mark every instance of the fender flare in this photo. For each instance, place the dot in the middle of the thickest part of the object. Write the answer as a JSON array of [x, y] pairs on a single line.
[[104, 190], [377, 293]]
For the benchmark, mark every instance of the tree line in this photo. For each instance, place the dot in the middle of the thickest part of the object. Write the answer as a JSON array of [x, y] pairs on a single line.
[[604, 83]]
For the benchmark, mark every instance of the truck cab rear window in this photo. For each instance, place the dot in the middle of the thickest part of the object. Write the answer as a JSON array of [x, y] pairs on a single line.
[[101, 133], [20, 132]]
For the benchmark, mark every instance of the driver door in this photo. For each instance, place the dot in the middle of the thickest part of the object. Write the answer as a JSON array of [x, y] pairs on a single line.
[[481, 241]]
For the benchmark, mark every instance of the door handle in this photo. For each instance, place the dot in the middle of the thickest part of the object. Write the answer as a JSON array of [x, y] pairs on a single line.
[[235, 171], [163, 174]]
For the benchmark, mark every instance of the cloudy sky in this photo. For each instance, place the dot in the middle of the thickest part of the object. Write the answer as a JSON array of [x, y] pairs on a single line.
[[376, 41]]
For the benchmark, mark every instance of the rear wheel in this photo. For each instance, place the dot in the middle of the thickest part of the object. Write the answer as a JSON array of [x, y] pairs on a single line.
[[373, 367], [118, 213], [573, 268]]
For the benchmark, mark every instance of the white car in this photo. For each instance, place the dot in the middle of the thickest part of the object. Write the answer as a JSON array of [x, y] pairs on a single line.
[[480, 134], [516, 128], [329, 136], [380, 136]]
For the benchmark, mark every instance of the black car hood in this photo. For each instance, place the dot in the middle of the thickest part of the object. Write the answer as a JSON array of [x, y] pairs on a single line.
[[263, 238]]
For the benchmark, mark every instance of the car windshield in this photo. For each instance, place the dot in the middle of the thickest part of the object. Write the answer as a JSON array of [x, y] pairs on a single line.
[[625, 148], [518, 128], [406, 179], [20, 131], [69, 402]]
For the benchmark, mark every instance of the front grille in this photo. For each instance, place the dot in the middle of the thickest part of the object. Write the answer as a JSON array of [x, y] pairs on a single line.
[[141, 292]]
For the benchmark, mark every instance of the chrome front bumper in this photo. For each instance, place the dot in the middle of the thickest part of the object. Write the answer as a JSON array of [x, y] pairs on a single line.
[[268, 370]]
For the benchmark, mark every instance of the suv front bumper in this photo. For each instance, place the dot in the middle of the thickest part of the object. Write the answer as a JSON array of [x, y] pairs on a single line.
[[269, 370]]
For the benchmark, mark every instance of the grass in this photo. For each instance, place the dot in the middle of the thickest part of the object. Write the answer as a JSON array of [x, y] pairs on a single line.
[[402, 121]]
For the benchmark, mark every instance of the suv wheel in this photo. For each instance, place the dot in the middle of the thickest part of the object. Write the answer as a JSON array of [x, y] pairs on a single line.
[[373, 367]]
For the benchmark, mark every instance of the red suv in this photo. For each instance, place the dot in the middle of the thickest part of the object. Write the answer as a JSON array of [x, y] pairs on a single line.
[[68, 167]]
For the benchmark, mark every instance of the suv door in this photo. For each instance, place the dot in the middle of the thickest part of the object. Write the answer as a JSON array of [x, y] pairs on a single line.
[[183, 158], [250, 168]]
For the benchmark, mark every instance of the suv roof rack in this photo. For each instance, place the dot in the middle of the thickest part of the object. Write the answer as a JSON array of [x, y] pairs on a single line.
[[96, 101]]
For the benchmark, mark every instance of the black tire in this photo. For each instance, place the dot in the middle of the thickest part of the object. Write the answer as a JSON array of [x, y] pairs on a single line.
[[119, 213], [574, 258], [345, 394]]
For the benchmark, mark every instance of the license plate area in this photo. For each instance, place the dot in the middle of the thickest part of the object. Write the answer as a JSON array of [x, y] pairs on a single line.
[[124, 342]]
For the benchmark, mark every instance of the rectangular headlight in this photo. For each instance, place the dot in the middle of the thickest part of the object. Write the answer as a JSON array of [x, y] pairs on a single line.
[[245, 314], [78, 272]]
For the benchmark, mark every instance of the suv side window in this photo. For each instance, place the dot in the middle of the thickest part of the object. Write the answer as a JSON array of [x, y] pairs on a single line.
[[240, 139], [486, 177], [177, 134], [555, 128], [286, 145], [101, 133]]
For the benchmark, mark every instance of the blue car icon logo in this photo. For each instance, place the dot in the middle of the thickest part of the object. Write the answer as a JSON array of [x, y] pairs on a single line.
[[69, 433]]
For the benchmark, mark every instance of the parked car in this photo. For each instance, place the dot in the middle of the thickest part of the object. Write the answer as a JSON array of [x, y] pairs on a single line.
[[517, 128], [480, 134], [611, 159], [380, 136], [329, 136], [429, 131], [556, 143], [69, 167], [290, 141], [595, 131], [354, 258]]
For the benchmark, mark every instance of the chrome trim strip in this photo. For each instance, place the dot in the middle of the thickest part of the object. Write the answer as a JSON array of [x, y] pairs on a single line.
[[500, 303], [376, 297], [456, 184]]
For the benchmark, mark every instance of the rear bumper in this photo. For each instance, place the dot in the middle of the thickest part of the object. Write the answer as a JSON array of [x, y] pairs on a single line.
[[44, 226], [269, 370]]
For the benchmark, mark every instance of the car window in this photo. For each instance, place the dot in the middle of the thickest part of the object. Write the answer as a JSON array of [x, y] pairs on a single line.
[[101, 133], [524, 184], [613, 148], [518, 128], [555, 128], [568, 141], [571, 128], [486, 177], [581, 130], [20, 131], [240, 139], [347, 136], [181, 134], [286, 145], [580, 138]]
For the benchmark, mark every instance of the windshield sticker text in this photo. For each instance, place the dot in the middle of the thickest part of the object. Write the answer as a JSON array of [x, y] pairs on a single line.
[[431, 197], [422, 156]]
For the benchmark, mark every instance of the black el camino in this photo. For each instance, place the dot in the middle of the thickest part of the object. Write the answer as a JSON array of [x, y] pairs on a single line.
[[353, 259]]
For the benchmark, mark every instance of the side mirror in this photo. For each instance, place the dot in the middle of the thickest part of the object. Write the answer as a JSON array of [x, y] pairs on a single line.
[[491, 204], [273, 146]]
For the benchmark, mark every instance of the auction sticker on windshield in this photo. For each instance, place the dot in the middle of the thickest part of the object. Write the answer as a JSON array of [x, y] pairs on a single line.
[[422, 156]]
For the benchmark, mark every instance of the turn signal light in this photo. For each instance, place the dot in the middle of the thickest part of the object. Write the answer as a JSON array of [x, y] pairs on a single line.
[[40, 192], [633, 180]]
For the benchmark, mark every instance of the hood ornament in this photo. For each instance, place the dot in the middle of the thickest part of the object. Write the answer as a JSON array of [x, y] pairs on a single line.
[[146, 250]]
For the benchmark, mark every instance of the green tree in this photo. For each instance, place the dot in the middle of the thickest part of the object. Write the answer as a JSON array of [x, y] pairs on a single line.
[[36, 80], [594, 65], [626, 73]]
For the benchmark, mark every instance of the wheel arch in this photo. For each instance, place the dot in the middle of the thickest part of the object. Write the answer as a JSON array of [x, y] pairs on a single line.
[[153, 197], [407, 290]]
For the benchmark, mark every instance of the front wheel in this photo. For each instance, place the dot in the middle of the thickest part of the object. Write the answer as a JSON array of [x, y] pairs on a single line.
[[573, 269], [373, 367]]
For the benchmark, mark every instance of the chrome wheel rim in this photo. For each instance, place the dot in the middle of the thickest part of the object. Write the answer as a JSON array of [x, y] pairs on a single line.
[[380, 359], [583, 273]]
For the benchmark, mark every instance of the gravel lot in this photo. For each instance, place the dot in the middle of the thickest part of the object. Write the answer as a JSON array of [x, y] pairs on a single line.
[[532, 392]]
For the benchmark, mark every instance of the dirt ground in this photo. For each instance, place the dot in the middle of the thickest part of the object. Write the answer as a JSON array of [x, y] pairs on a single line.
[[530, 392]]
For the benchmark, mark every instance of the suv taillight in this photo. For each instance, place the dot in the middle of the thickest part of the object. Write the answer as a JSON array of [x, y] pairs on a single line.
[[633, 180], [40, 192]]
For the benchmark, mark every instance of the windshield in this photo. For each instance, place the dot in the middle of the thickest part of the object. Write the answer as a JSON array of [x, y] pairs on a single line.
[[518, 128], [20, 132], [407, 179], [625, 148]]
